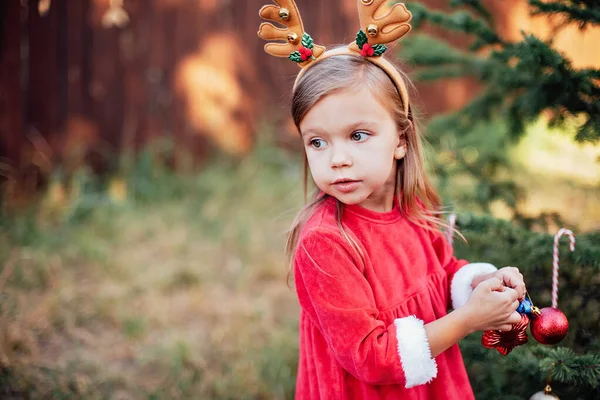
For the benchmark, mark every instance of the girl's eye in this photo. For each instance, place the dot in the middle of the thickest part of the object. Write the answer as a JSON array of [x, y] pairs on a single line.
[[359, 136], [317, 143]]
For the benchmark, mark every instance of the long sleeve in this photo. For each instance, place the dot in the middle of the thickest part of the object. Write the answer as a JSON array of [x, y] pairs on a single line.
[[335, 294], [460, 272]]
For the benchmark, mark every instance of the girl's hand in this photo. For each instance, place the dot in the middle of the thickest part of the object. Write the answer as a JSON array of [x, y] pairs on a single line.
[[492, 306], [510, 277]]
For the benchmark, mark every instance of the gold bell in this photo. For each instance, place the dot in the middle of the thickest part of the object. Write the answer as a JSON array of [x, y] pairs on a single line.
[[372, 30], [284, 14], [292, 38]]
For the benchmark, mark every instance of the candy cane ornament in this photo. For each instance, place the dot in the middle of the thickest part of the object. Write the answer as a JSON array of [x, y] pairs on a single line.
[[549, 325], [557, 237]]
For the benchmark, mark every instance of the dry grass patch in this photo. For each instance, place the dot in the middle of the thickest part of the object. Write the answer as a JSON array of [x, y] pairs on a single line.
[[183, 297]]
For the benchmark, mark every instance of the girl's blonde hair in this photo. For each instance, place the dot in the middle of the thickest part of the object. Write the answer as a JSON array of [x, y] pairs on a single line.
[[418, 200]]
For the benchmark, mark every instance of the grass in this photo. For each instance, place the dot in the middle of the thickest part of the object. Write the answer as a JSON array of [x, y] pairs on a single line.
[[175, 289], [156, 286]]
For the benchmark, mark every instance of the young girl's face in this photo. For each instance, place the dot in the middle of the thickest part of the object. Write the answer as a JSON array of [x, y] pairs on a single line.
[[352, 144]]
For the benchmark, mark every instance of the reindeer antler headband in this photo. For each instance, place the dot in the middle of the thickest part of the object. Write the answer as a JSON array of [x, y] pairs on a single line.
[[380, 24]]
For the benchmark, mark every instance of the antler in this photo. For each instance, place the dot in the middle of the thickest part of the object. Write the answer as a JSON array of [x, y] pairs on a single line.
[[286, 13], [380, 23]]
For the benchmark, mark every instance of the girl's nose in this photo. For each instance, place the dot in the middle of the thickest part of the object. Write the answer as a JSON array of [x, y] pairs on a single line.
[[340, 157]]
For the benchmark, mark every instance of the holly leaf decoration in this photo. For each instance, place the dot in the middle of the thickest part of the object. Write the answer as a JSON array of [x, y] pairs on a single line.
[[379, 49], [295, 57], [307, 41], [361, 39]]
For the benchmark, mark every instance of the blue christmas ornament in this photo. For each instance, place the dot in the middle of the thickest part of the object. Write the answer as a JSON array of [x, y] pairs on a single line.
[[525, 307]]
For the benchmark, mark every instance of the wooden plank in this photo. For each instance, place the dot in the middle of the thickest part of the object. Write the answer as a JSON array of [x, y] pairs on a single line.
[[11, 122], [106, 80], [78, 35], [45, 94], [135, 43]]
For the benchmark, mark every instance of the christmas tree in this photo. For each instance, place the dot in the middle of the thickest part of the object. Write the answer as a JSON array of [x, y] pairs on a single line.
[[520, 80], [574, 364]]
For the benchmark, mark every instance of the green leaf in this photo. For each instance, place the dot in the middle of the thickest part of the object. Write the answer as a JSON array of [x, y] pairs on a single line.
[[379, 49], [295, 57], [361, 39], [307, 41]]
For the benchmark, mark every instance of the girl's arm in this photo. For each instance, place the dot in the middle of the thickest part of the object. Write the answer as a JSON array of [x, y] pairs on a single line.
[[443, 333]]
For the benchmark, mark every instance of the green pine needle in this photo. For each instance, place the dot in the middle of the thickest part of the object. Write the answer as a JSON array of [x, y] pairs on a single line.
[[580, 12], [461, 21], [521, 80]]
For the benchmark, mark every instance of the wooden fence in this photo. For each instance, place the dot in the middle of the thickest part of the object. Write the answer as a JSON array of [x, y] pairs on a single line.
[[83, 80]]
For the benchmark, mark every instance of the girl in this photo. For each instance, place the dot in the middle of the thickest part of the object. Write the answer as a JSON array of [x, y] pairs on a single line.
[[373, 274]]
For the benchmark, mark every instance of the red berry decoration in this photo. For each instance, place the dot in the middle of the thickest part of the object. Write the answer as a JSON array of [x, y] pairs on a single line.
[[367, 50], [505, 342], [550, 326], [305, 53]]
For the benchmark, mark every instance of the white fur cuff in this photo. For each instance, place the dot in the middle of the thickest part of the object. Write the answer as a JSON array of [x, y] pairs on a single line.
[[413, 349], [460, 289]]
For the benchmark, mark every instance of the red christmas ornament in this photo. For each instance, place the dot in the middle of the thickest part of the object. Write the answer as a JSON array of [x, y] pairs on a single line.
[[550, 326], [505, 342]]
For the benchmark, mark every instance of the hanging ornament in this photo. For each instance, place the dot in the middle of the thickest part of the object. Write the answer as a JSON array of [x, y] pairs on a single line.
[[505, 342], [525, 307], [115, 15], [549, 325], [557, 237], [546, 394]]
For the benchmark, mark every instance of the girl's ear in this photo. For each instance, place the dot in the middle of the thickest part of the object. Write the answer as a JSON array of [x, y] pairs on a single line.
[[401, 149]]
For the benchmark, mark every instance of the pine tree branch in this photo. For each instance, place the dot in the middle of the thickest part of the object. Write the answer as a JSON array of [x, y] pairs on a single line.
[[438, 52], [443, 61], [534, 245], [476, 6], [561, 364], [584, 13], [521, 79], [564, 365], [460, 21]]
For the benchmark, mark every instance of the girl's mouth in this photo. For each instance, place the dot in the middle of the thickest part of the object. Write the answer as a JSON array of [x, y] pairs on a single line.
[[345, 185]]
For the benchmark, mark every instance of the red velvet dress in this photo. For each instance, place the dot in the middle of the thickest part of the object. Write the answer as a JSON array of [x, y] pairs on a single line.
[[362, 316]]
